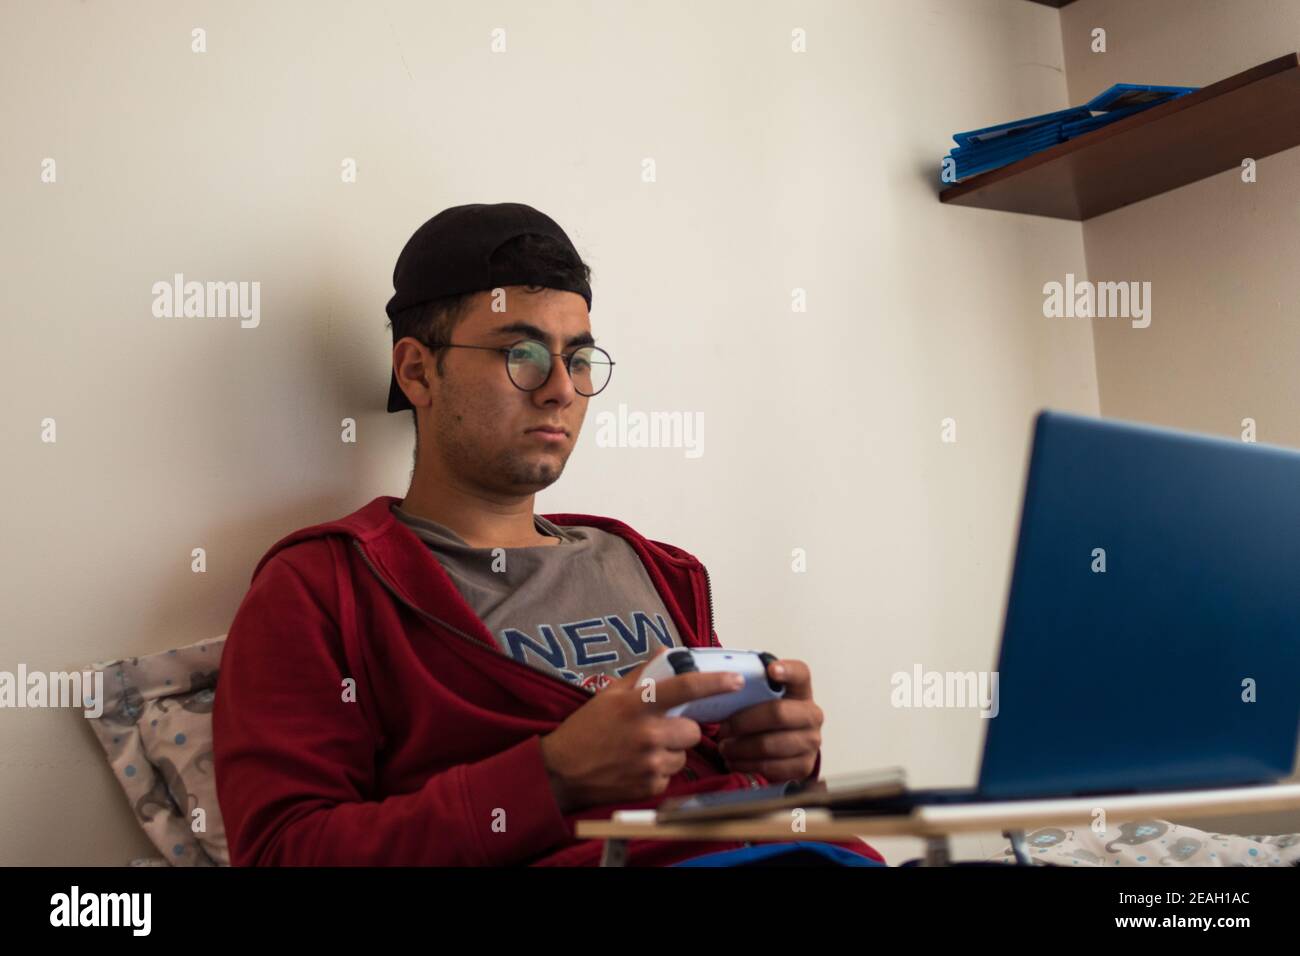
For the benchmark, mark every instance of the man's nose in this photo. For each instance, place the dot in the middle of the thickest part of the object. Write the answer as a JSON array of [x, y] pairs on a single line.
[[559, 386]]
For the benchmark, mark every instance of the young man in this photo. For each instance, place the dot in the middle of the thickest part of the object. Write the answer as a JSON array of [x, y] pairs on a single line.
[[449, 678]]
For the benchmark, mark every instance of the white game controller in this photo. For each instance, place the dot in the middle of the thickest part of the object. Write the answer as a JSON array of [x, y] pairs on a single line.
[[752, 665]]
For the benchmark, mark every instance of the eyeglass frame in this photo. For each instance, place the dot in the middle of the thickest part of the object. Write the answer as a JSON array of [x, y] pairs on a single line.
[[507, 349]]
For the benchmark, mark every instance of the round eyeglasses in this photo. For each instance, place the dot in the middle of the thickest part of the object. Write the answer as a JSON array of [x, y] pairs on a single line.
[[529, 364]]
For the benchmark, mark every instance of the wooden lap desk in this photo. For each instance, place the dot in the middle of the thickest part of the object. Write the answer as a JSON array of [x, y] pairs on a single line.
[[935, 823]]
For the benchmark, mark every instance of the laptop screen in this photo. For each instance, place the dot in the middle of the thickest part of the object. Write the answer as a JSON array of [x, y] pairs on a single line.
[[1152, 632]]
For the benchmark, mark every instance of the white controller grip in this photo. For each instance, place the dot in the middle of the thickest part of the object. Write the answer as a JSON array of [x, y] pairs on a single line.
[[752, 665]]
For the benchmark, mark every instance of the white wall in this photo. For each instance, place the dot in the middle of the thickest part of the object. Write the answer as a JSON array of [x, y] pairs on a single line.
[[775, 171], [1220, 253]]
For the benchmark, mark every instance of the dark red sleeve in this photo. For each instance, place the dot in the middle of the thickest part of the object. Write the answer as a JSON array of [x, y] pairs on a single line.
[[294, 762]]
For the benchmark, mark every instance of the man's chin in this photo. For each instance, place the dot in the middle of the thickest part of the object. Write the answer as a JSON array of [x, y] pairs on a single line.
[[532, 476]]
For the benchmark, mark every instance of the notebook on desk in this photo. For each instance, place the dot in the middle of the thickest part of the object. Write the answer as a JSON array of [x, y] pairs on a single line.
[[1151, 639], [834, 793]]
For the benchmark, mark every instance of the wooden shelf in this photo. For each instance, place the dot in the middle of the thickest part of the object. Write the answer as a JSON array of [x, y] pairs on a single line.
[[1253, 114]]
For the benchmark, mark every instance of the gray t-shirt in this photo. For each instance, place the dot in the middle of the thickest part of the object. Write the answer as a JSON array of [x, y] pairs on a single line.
[[584, 610]]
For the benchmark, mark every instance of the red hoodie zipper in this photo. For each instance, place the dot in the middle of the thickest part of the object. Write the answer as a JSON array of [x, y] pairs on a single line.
[[708, 590]]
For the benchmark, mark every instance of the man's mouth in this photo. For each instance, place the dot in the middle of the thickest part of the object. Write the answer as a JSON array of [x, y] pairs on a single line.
[[553, 433]]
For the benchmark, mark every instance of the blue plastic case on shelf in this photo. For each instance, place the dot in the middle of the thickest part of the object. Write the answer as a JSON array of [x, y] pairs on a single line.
[[1006, 129], [1126, 95], [980, 150]]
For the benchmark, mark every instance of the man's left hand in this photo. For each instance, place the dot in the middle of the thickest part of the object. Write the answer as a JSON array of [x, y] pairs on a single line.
[[779, 739]]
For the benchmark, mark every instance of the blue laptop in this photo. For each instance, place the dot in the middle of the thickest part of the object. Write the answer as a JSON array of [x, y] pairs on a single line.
[[1173, 665], [1178, 665]]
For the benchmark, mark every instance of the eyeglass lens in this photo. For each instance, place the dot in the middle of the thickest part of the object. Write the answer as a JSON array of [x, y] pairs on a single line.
[[529, 363]]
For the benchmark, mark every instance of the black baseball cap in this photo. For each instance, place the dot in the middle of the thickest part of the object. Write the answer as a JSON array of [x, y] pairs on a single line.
[[449, 255]]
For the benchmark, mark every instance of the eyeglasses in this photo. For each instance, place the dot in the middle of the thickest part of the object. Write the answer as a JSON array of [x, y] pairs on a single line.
[[529, 365]]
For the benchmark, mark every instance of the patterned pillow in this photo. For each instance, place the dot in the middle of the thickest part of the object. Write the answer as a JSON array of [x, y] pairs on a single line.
[[156, 730], [1155, 843]]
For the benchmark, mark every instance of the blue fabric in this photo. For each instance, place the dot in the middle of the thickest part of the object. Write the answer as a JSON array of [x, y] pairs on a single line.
[[797, 853]]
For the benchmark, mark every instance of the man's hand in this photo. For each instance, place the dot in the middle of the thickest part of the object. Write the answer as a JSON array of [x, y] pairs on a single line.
[[619, 746], [779, 738]]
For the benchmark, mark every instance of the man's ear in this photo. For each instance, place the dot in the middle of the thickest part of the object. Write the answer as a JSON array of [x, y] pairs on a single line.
[[408, 349]]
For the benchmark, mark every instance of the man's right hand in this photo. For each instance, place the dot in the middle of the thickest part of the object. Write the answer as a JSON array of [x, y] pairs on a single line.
[[620, 747]]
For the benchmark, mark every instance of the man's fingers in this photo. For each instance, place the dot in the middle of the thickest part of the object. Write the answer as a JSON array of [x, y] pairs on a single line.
[[778, 744], [795, 675], [776, 771], [783, 714], [682, 688], [680, 733]]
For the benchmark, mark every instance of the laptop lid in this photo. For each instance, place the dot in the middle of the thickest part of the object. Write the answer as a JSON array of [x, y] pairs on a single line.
[[1152, 631]]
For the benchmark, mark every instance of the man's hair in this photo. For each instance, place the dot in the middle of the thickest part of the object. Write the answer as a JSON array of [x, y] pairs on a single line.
[[551, 263]]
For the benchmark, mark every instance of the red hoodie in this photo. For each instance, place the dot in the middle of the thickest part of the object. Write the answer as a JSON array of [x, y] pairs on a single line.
[[432, 757]]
